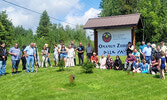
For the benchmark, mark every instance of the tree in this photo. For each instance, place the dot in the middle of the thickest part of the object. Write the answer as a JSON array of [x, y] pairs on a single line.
[[44, 25], [6, 29], [154, 16]]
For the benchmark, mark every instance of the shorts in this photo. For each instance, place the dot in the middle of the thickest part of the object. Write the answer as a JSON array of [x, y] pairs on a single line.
[[162, 66], [62, 55], [15, 63]]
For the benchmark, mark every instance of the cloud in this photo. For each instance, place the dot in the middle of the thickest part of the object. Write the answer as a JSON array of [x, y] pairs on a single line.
[[81, 20]]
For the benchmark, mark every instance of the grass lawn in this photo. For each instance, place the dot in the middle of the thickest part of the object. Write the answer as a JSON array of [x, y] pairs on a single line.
[[49, 84]]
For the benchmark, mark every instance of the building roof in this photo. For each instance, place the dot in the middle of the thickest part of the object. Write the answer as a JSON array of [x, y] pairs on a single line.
[[114, 21]]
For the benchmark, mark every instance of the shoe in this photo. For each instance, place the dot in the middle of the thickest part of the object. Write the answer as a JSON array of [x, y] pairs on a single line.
[[12, 73]]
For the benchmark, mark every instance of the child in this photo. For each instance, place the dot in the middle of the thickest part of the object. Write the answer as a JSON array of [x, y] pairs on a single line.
[[144, 66], [162, 65], [136, 66]]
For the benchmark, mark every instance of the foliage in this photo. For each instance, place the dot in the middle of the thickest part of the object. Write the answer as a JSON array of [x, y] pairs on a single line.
[[88, 67], [154, 16], [6, 29], [44, 24], [61, 65]]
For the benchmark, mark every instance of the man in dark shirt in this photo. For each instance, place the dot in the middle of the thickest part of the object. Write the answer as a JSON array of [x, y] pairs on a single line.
[[80, 51], [3, 58]]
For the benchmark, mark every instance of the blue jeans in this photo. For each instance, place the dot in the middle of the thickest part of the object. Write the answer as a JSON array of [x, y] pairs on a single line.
[[15, 63], [30, 59], [2, 67], [148, 59], [49, 62]]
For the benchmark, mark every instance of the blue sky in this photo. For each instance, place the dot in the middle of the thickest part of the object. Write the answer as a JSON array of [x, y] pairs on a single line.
[[71, 11]]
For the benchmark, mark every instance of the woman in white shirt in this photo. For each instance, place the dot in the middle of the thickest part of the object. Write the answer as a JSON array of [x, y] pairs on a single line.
[[103, 62], [70, 57]]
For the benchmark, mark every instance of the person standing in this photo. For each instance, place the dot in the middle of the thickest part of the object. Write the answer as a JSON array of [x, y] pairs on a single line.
[[147, 53], [163, 47], [129, 48], [46, 45], [3, 58], [89, 51], [44, 57], [23, 58], [55, 54], [74, 47], [29, 53], [63, 54], [70, 56], [141, 47], [15, 57], [59, 48], [80, 51], [162, 65], [38, 62]]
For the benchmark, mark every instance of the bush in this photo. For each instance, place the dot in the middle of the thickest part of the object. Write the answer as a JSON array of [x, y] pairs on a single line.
[[88, 67], [61, 65]]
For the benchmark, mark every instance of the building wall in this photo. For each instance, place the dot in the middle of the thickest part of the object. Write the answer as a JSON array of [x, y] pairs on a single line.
[[115, 45]]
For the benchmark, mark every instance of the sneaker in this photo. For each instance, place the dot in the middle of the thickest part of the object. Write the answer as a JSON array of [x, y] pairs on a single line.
[[12, 73]]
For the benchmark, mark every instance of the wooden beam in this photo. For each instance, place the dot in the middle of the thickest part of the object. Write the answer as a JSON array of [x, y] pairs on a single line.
[[96, 41], [133, 36]]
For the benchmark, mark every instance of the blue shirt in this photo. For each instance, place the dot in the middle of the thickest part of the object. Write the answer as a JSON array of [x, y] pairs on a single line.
[[147, 51], [15, 51], [141, 47], [29, 50], [136, 54]]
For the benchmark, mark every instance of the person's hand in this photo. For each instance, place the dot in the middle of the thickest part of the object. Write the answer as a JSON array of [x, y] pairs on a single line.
[[15, 54], [3, 57]]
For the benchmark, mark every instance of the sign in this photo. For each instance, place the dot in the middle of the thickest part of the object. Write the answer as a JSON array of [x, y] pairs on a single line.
[[113, 41]]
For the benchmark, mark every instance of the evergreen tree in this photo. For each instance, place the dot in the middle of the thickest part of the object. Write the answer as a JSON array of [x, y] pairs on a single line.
[[6, 29], [44, 25]]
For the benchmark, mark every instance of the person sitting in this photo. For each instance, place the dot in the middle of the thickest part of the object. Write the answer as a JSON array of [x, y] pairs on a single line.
[[154, 65], [118, 63], [103, 62], [70, 56], [136, 66], [129, 61], [94, 59], [109, 62], [63, 53], [144, 66], [136, 54]]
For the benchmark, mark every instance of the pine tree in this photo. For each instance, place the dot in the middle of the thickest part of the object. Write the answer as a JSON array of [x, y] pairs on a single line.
[[44, 25]]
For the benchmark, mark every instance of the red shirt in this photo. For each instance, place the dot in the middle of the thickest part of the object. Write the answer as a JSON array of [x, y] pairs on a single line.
[[94, 58]]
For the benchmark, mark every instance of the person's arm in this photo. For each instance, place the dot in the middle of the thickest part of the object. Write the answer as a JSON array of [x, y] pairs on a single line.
[[10, 52], [131, 48]]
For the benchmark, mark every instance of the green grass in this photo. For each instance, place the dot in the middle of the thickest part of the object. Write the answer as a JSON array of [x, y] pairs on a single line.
[[50, 84]]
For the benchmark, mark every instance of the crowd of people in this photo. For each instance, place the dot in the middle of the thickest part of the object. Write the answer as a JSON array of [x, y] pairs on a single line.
[[148, 59]]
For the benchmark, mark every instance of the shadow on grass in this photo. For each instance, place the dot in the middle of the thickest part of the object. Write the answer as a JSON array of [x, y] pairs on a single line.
[[156, 76], [70, 85]]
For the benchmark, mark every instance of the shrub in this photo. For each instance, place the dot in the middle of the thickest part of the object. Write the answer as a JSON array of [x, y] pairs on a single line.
[[61, 65], [88, 67]]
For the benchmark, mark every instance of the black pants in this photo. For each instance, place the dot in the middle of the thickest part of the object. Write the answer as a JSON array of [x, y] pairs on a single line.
[[23, 63], [81, 58], [89, 56], [75, 61], [155, 69]]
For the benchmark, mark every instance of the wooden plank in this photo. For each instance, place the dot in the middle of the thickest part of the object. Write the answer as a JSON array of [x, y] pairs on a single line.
[[96, 41]]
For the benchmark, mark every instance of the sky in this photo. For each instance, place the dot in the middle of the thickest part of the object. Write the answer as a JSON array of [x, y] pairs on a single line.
[[70, 11]]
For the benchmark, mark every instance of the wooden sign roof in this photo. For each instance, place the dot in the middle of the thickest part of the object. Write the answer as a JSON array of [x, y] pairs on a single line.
[[114, 21]]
